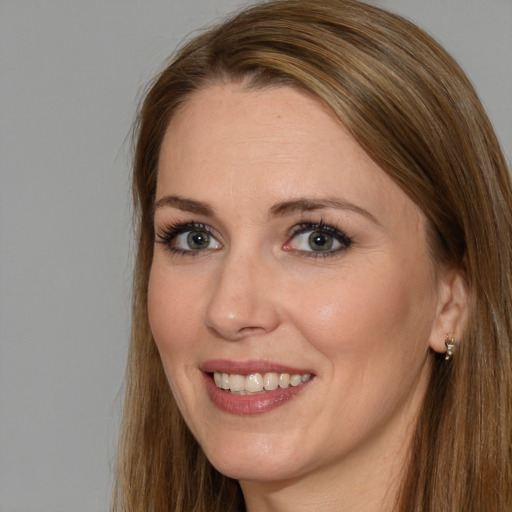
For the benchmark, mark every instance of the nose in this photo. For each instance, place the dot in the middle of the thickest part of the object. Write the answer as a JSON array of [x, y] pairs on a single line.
[[242, 303]]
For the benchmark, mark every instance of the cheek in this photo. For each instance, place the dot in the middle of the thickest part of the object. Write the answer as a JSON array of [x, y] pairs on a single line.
[[171, 309], [364, 312], [174, 328]]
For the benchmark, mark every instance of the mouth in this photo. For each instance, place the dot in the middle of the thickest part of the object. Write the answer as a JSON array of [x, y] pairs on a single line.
[[252, 387], [258, 383]]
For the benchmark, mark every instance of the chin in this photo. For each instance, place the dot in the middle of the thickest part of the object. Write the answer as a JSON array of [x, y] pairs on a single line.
[[245, 470], [254, 458]]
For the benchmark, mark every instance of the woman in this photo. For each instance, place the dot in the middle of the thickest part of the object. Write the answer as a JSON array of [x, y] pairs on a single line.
[[322, 293]]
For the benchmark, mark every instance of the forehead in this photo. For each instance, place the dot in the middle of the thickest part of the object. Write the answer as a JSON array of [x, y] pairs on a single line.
[[267, 146], [225, 119]]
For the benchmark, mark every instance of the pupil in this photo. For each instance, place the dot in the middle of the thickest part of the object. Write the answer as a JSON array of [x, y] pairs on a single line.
[[320, 241], [198, 240]]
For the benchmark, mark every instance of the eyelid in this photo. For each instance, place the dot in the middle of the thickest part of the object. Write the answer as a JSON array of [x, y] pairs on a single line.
[[168, 234], [344, 240]]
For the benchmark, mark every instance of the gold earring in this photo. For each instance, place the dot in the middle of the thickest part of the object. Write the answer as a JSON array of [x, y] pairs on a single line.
[[449, 341]]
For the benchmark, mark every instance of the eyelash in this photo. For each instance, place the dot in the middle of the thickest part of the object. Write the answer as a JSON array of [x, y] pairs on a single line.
[[320, 227], [167, 236]]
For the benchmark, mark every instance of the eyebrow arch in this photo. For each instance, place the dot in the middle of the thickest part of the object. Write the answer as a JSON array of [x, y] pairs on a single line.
[[186, 205], [308, 205], [278, 210]]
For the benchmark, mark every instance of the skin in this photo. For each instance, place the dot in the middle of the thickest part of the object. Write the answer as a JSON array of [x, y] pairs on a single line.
[[363, 319]]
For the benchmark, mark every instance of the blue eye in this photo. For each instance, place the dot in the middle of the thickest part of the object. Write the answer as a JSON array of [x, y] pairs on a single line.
[[188, 238], [318, 239]]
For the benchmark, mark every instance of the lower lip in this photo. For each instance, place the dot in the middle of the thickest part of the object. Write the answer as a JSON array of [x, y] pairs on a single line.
[[247, 405]]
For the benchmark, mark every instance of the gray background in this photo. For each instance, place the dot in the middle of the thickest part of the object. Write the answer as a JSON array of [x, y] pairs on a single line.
[[71, 74]]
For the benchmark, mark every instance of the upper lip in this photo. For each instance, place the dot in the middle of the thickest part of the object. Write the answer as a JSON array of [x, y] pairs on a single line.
[[248, 367]]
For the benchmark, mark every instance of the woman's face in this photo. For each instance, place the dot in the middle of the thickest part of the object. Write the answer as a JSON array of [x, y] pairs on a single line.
[[289, 268]]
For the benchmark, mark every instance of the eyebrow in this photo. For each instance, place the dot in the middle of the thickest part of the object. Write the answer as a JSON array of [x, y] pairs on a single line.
[[309, 205], [278, 210], [186, 205]]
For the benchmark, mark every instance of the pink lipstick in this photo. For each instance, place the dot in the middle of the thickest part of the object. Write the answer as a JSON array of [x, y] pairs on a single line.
[[252, 387]]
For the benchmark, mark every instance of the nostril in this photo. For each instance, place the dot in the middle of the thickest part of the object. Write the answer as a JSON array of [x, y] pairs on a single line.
[[242, 303], [232, 332]]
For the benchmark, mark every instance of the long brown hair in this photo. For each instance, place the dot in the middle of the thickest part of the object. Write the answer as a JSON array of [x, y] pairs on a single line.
[[413, 110]]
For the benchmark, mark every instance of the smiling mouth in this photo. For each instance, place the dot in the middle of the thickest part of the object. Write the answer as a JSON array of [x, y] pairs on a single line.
[[257, 383]]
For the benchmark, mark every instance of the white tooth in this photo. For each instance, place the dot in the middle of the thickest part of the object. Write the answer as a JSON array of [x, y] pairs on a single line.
[[236, 382], [295, 380], [284, 380], [270, 381], [225, 381], [254, 383]]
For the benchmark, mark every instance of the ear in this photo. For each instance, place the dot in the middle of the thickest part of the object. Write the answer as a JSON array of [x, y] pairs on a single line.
[[452, 308]]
